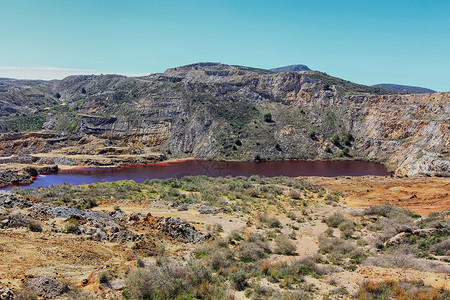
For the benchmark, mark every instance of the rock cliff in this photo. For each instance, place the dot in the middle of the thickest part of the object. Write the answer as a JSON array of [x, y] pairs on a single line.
[[218, 111]]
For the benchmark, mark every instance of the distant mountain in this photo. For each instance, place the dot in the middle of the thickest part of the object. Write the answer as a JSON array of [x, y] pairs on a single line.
[[4, 79], [404, 88], [291, 68]]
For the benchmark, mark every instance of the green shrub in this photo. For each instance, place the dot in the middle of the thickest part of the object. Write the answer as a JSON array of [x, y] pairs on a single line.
[[268, 117], [104, 277], [72, 228], [25, 294], [140, 263]]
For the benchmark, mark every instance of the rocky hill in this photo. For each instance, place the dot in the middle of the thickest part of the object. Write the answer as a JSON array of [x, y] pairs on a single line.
[[404, 88], [218, 111], [291, 68]]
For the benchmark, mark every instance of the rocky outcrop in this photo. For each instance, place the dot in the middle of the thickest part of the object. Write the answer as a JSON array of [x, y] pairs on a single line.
[[8, 176], [182, 230], [23, 175], [46, 287], [171, 227], [9, 200]]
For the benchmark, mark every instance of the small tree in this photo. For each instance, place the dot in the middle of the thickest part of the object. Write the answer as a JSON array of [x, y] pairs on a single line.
[[348, 139], [58, 95], [336, 140], [268, 117]]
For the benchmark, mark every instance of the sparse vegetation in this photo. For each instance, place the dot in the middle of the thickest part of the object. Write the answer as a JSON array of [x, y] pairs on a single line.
[[400, 290], [271, 212]]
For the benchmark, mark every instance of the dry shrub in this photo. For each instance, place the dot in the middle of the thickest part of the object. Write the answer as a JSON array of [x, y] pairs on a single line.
[[34, 226], [271, 221], [402, 290], [217, 254], [400, 259], [388, 211], [284, 246], [334, 220], [347, 228], [169, 280], [442, 248], [338, 250], [251, 251], [294, 194]]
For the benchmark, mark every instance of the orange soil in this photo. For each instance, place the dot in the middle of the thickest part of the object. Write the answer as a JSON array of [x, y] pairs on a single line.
[[422, 195]]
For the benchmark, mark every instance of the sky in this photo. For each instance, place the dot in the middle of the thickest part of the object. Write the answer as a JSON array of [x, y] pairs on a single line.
[[364, 41]]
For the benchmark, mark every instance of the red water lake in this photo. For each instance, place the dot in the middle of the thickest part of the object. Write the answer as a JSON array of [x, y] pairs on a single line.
[[178, 169]]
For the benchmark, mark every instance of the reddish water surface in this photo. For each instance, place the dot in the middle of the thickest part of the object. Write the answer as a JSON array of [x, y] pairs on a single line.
[[178, 169]]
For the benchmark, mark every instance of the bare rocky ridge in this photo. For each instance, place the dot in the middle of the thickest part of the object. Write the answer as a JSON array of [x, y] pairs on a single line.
[[216, 111]]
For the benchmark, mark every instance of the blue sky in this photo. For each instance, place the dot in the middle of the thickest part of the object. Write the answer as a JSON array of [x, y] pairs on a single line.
[[368, 42]]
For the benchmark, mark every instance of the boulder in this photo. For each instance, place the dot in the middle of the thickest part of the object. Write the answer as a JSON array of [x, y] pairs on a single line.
[[181, 230], [46, 287]]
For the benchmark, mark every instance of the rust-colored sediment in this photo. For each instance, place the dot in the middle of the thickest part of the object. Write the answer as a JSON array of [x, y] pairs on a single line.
[[422, 195]]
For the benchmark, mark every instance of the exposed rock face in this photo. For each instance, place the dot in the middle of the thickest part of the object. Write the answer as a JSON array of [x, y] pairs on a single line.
[[216, 111]]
